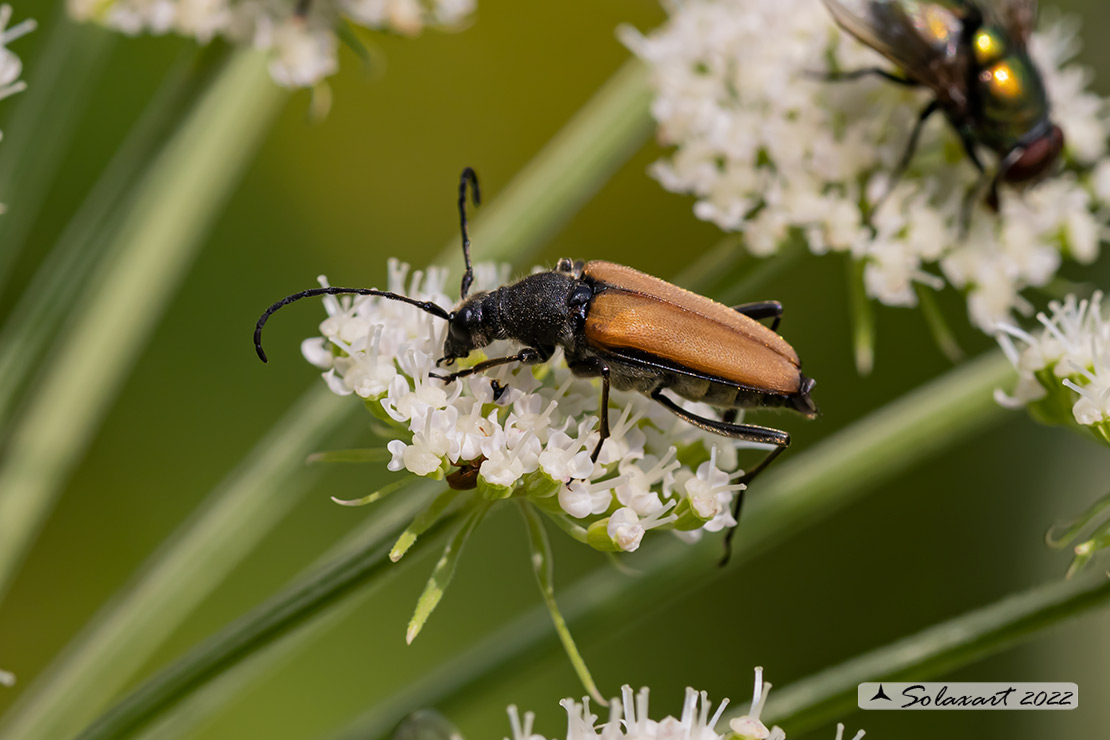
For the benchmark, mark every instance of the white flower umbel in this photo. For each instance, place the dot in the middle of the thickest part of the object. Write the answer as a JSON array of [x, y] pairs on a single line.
[[10, 65], [7, 679], [629, 719], [300, 35], [771, 150], [531, 434], [1063, 369]]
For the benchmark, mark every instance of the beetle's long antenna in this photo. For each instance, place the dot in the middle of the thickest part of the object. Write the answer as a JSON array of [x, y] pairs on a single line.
[[468, 176], [428, 306]]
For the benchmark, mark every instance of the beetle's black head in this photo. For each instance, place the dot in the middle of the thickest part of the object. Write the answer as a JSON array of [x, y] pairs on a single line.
[[467, 329]]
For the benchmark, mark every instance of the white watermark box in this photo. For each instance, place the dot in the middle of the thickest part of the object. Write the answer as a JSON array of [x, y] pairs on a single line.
[[967, 695]]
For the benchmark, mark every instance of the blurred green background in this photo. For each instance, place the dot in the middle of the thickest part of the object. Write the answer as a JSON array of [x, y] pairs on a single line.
[[377, 178]]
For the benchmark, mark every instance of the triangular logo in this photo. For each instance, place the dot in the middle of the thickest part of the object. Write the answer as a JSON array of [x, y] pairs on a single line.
[[880, 694]]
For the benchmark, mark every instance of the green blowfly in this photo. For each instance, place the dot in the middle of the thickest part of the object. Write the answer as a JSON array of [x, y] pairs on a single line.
[[974, 58]]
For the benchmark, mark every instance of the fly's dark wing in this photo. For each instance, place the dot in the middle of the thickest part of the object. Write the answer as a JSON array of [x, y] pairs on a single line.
[[925, 38], [1016, 18]]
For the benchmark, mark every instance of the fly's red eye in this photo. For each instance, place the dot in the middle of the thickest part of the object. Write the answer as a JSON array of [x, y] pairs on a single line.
[[1038, 158]]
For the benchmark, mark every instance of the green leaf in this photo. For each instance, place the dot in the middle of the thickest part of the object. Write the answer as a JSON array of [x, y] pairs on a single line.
[[444, 571], [377, 495], [425, 519]]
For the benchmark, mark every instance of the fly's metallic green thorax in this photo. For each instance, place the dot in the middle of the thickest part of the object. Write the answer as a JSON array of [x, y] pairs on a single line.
[[973, 56], [1012, 101]]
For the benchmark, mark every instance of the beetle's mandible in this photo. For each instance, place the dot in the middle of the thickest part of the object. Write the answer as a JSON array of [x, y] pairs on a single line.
[[633, 331]]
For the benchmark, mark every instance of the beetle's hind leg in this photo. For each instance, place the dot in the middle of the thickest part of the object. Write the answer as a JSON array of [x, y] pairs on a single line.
[[762, 310], [745, 432]]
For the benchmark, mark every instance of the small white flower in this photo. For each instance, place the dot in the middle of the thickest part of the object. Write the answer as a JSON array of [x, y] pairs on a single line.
[[1068, 361], [7, 679], [303, 48], [766, 148], [629, 719]]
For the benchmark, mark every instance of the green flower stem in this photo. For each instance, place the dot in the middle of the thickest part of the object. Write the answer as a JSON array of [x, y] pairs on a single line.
[[308, 598], [544, 566], [61, 78], [178, 200], [544, 196], [218, 536], [937, 650], [938, 325], [863, 317], [57, 285], [800, 491]]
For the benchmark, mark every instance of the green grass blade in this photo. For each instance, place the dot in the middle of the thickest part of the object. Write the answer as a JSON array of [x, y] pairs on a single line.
[[308, 598], [183, 192], [60, 81], [222, 532], [936, 650], [59, 281]]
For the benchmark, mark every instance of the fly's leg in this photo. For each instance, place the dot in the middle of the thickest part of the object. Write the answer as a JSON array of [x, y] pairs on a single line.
[[907, 155], [975, 192], [762, 310], [744, 432], [856, 74], [595, 367]]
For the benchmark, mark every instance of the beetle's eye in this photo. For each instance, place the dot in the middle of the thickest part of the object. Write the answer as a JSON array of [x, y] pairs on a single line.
[[1038, 158]]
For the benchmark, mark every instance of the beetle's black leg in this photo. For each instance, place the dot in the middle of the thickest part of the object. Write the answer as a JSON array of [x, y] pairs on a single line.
[[468, 176], [527, 356], [855, 74], [746, 432], [593, 367], [907, 155], [762, 310], [729, 416]]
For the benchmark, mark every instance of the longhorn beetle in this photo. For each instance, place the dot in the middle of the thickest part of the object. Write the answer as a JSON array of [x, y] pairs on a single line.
[[634, 331]]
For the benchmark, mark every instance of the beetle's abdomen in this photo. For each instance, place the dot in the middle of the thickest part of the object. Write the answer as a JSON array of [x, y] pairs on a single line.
[[716, 341]]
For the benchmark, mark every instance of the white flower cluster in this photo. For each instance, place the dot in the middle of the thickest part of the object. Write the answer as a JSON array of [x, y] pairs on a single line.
[[629, 720], [7, 679], [771, 149], [300, 35], [10, 65], [1063, 370], [529, 431]]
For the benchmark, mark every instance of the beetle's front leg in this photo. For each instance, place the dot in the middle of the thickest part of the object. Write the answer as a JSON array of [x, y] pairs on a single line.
[[594, 367], [527, 356]]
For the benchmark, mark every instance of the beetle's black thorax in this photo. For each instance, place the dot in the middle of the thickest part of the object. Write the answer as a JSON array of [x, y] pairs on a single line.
[[544, 311]]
